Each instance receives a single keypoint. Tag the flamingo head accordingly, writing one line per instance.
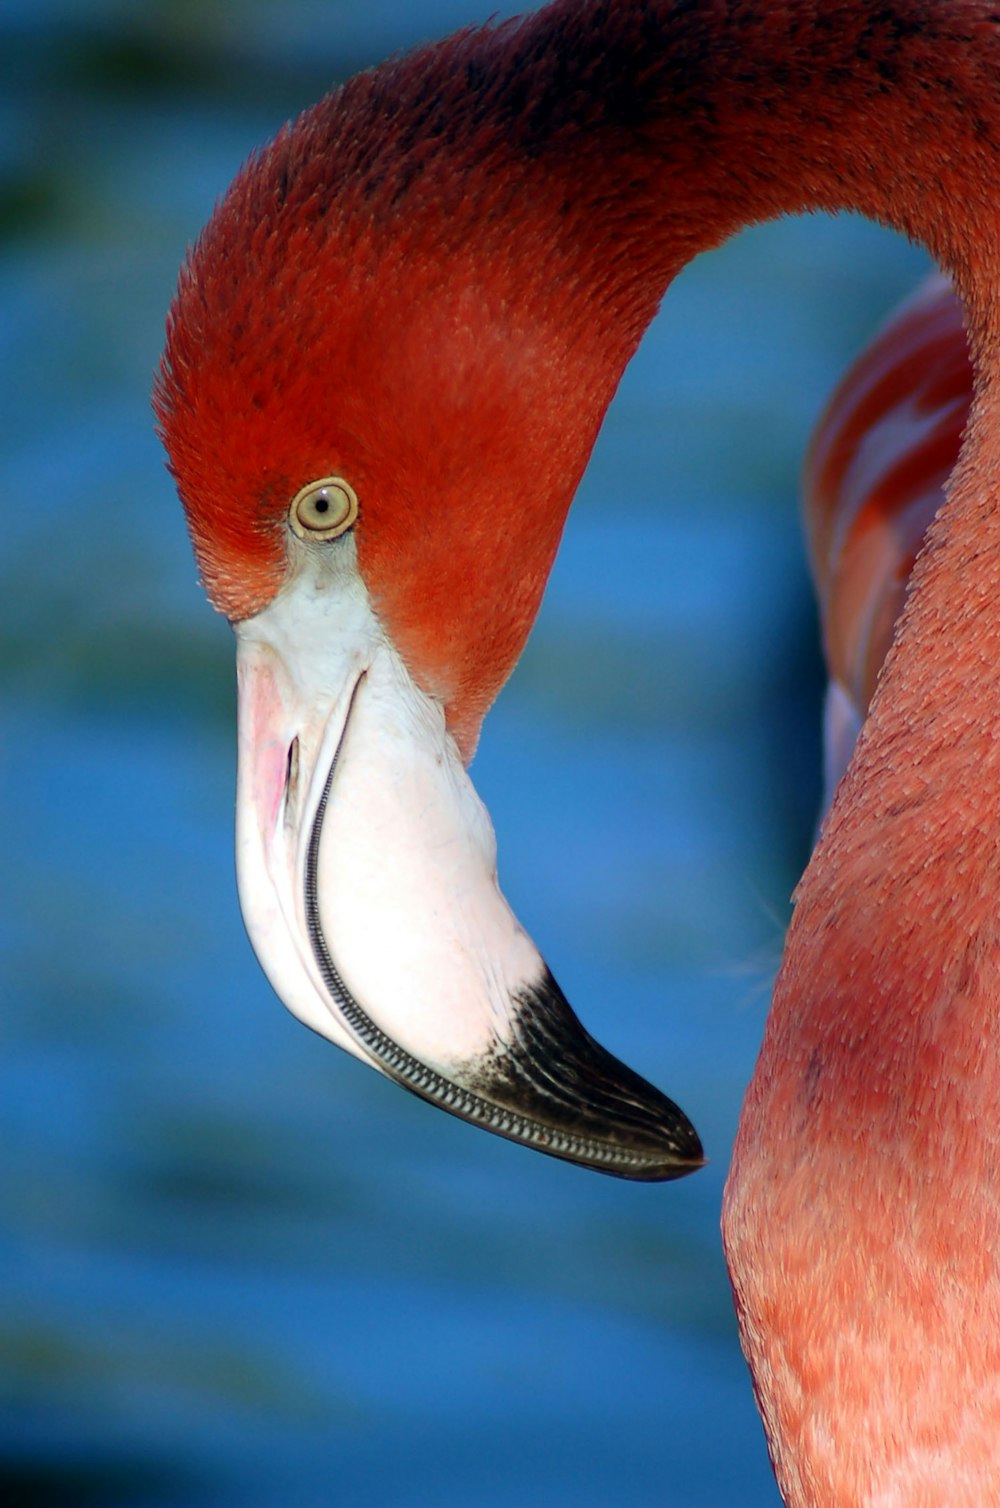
(382, 380)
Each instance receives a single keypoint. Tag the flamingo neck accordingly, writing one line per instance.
(864, 1197)
(596, 148)
(863, 1204)
(677, 122)
(661, 128)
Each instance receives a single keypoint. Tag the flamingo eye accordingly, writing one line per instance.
(323, 509)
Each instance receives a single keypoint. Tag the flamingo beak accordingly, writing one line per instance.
(367, 877)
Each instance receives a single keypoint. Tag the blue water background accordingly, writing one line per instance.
(237, 1267)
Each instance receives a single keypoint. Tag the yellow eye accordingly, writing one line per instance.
(324, 509)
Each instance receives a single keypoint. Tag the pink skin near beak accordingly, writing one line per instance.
(367, 875)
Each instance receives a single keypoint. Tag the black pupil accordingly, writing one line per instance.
(322, 504)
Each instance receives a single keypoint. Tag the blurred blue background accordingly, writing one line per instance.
(237, 1267)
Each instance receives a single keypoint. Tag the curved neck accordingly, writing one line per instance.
(712, 114)
(623, 137)
(675, 124)
(862, 1203)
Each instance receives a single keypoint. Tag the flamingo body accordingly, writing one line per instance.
(874, 478)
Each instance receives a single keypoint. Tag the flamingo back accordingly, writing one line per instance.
(874, 477)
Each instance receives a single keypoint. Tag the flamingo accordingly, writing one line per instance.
(386, 363)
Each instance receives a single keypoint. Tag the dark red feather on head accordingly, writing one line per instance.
(420, 287)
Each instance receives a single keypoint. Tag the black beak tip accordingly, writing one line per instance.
(577, 1102)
